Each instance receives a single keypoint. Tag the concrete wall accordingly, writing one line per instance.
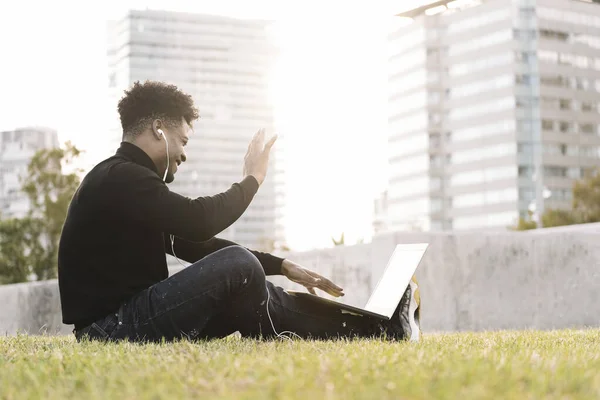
(469, 281)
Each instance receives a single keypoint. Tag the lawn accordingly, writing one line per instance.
(499, 365)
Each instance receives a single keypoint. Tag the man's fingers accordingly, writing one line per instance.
(270, 143)
(257, 139)
(312, 291)
(325, 282)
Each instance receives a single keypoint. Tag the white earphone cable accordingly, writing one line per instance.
(166, 144)
(280, 335)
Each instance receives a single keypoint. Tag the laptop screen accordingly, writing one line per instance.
(395, 279)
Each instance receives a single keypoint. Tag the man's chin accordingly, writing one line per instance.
(170, 177)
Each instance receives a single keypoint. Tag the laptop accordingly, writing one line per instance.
(391, 286)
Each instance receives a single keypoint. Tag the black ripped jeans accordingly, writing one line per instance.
(224, 292)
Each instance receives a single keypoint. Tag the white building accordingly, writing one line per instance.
(494, 110)
(224, 64)
(16, 151)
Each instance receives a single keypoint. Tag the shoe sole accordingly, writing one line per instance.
(415, 331)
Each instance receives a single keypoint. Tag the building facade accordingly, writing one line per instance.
(224, 64)
(17, 148)
(494, 110)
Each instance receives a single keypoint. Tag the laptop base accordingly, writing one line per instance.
(335, 304)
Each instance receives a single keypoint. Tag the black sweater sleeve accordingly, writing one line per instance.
(143, 197)
(194, 251)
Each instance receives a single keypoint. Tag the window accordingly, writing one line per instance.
(524, 34)
(523, 79)
(480, 42)
(555, 172)
(435, 140)
(480, 131)
(476, 87)
(587, 129)
(565, 104)
(574, 172)
(525, 172)
(499, 150)
(547, 125)
(435, 118)
(568, 16)
(554, 35)
(589, 151)
(478, 64)
(482, 108)
(564, 127)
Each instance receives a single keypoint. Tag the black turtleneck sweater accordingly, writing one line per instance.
(117, 230)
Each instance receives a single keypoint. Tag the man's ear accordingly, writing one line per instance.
(156, 125)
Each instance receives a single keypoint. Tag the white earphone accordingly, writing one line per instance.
(167, 145)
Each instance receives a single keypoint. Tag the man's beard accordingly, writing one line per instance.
(170, 177)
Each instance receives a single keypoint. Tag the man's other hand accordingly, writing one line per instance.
(256, 160)
(309, 279)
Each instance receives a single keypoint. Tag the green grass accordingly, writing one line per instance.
(500, 365)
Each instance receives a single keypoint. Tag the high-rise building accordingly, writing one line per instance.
(494, 110)
(224, 63)
(17, 148)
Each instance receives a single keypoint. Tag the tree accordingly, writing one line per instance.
(554, 217)
(19, 244)
(586, 197)
(585, 207)
(49, 190)
(525, 224)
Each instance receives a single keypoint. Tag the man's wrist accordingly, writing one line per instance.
(285, 265)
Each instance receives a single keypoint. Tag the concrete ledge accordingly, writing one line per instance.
(546, 279)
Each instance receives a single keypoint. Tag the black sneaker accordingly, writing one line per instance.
(406, 322)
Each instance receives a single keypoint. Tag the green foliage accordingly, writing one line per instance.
(19, 243)
(586, 197)
(339, 242)
(29, 246)
(585, 208)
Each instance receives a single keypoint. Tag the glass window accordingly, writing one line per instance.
(568, 16)
(480, 42)
(589, 151)
(501, 196)
(409, 102)
(548, 56)
(547, 125)
(402, 83)
(588, 106)
(406, 38)
(483, 175)
(555, 172)
(564, 127)
(407, 61)
(408, 144)
(480, 19)
(408, 165)
(477, 87)
(478, 64)
(482, 108)
(403, 124)
(574, 173)
(469, 200)
(589, 129)
(554, 35)
(590, 40)
(471, 155)
(565, 104)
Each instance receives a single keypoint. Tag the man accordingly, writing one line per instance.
(112, 269)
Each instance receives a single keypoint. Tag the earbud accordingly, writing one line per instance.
(162, 133)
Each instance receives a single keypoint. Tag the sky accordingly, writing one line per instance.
(328, 89)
